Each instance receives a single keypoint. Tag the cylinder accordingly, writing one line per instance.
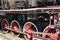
(5, 25)
(16, 27)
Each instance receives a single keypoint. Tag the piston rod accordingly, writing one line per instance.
(30, 32)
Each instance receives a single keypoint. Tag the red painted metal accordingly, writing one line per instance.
(29, 26)
(56, 18)
(5, 25)
(15, 26)
(58, 32)
(52, 30)
(29, 29)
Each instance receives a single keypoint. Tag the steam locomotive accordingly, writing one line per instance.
(27, 20)
(21, 21)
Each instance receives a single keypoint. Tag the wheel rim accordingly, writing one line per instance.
(5, 25)
(27, 26)
(15, 27)
(49, 29)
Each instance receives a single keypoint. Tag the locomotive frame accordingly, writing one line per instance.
(51, 11)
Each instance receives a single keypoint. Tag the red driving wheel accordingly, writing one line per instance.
(15, 27)
(29, 26)
(50, 29)
(58, 32)
(5, 25)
